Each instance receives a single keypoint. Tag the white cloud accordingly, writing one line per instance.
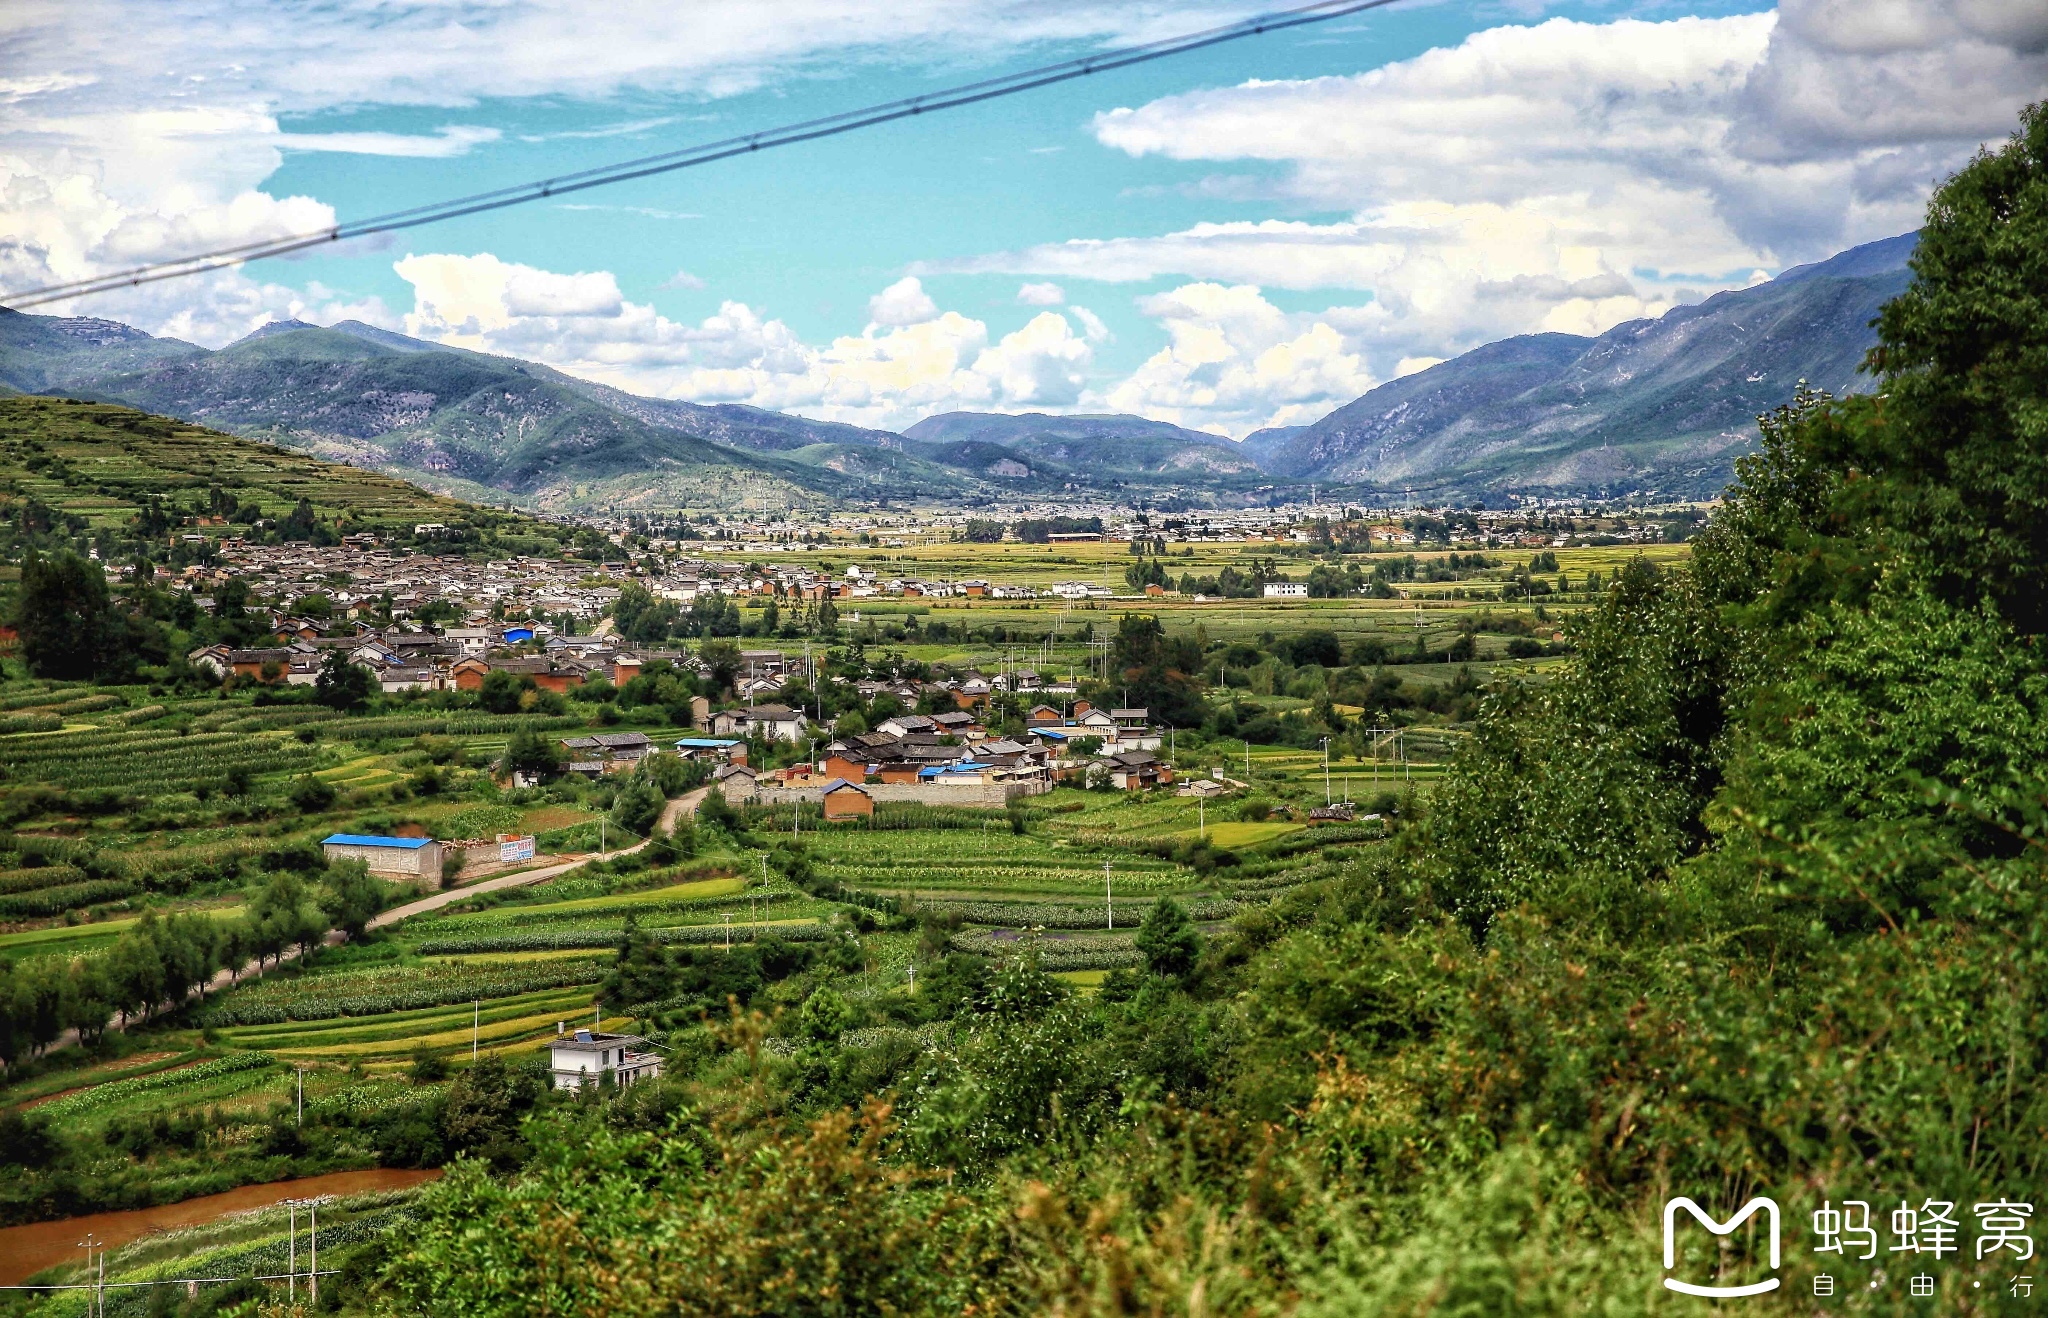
(913, 359)
(1041, 295)
(1235, 362)
(452, 140)
(147, 130)
(902, 303)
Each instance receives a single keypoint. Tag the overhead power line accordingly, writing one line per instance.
(689, 157)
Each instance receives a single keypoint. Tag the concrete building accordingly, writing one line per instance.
(584, 1059)
(417, 858)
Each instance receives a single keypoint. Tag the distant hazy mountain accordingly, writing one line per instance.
(1662, 404)
(1085, 447)
(460, 421)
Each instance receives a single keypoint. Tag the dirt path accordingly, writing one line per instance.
(685, 804)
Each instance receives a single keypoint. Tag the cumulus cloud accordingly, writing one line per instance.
(1235, 362)
(902, 303)
(911, 360)
(1041, 295)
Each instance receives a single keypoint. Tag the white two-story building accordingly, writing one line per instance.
(582, 1060)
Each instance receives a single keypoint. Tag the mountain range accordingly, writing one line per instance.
(1654, 406)
(1657, 405)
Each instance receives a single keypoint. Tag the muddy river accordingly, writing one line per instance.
(27, 1250)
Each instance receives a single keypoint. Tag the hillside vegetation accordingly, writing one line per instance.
(97, 467)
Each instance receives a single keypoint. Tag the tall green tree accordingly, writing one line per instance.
(1957, 440)
(1168, 940)
(343, 685)
(62, 614)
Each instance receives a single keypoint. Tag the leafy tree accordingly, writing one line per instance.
(1168, 940)
(343, 685)
(722, 665)
(1955, 445)
(1157, 671)
(638, 805)
(310, 794)
(231, 599)
(485, 1107)
(63, 616)
(501, 691)
(350, 897)
(529, 752)
(1316, 647)
(825, 1016)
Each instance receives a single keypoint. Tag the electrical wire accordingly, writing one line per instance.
(809, 130)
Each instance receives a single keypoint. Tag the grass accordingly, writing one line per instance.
(1247, 833)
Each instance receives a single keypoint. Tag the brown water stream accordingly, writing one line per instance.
(27, 1250)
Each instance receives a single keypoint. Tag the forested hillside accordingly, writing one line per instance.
(1749, 901)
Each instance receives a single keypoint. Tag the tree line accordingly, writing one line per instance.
(163, 960)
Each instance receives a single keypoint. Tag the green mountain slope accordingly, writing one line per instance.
(490, 427)
(103, 463)
(1663, 405)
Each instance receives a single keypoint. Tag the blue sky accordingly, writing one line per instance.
(1245, 236)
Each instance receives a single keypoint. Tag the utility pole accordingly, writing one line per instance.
(300, 1073)
(313, 1268)
(1108, 900)
(291, 1251)
(727, 917)
(476, 1022)
(1202, 817)
(89, 1244)
(1326, 771)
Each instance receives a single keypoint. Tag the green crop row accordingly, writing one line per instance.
(241, 719)
(114, 1091)
(149, 760)
(1021, 915)
(566, 939)
(71, 896)
(1054, 954)
(625, 906)
(36, 699)
(450, 725)
(43, 876)
(309, 999)
(13, 723)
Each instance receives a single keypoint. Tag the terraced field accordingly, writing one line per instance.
(500, 1025)
(961, 861)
